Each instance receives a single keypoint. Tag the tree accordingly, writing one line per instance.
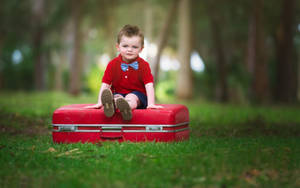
(58, 40)
(109, 12)
(148, 30)
(148, 26)
(76, 54)
(38, 13)
(286, 67)
(184, 88)
(163, 37)
(257, 64)
(218, 45)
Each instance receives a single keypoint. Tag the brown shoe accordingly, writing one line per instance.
(107, 100)
(124, 108)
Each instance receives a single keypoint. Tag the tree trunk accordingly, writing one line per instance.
(148, 27)
(148, 32)
(76, 54)
(110, 24)
(298, 75)
(221, 87)
(163, 37)
(38, 38)
(257, 64)
(1, 68)
(59, 59)
(286, 78)
(184, 89)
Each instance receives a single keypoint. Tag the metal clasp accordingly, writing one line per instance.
(154, 128)
(67, 128)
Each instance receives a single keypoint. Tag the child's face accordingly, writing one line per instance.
(130, 47)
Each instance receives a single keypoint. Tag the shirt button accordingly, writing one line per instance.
(125, 76)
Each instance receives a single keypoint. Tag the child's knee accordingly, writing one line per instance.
(131, 97)
(116, 96)
(133, 100)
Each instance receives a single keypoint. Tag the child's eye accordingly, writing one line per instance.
(135, 47)
(125, 46)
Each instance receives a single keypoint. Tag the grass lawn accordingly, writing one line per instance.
(229, 146)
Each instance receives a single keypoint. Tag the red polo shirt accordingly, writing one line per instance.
(127, 81)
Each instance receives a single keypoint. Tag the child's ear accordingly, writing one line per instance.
(117, 46)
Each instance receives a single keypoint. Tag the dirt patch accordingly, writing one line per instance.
(15, 124)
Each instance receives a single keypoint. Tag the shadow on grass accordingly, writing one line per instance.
(15, 124)
(251, 128)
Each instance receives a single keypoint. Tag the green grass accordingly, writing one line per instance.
(230, 146)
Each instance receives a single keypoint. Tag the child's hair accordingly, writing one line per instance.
(130, 31)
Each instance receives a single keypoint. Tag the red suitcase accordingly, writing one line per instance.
(74, 123)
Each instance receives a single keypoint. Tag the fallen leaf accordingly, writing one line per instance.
(252, 173)
(99, 144)
(73, 150)
(250, 181)
(51, 150)
(272, 174)
(250, 176)
(287, 149)
(68, 152)
(255, 172)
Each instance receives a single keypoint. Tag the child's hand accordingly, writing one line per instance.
(94, 106)
(153, 106)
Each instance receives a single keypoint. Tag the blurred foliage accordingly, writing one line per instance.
(17, 75)
(17, 28)
(94, 79)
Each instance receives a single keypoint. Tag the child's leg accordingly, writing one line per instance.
(126, 104)
(116, 96)
(132, 100)
(124, 108)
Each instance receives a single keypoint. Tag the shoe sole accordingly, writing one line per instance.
(124, 108)
(107, 102)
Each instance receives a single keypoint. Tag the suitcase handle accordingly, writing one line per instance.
(111, 132)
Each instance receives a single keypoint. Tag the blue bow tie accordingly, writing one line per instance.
(134, 65)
